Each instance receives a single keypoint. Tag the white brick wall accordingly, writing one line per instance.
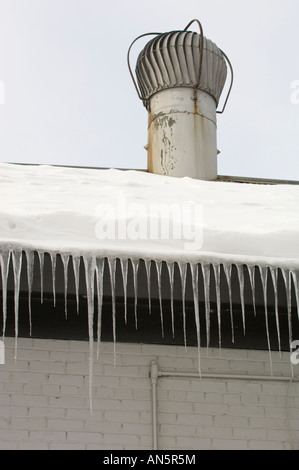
(44, 400)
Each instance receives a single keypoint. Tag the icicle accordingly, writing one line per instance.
(183, 273)
(228, 275)
(194, 275)
(159, 272)
(53, 264)
(148, 265)
(135, 266)
(295, 276)
(206, 282)
(264, 278)
(216, 268)
(76, 269)
(170, 267)
(251, 271)
(287, 281)
(17, 265)
(30, 268)
(112, 270)
(240, 270)
(124, 270)
(274, 275)
(4, 258)
(65, 261)
(90, 267)
(100, 264)
(41, 267)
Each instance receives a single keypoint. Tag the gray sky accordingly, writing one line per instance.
(69, 98)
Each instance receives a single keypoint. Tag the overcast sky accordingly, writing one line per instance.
(69, 98)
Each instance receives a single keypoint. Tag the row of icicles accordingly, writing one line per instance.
(94, 271)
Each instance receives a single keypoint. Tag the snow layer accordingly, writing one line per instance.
(58, 209)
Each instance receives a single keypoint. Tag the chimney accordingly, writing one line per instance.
(180, 76)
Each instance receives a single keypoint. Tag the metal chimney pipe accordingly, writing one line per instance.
(180, 76)
(182, 134)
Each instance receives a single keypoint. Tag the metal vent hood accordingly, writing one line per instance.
(180, 78)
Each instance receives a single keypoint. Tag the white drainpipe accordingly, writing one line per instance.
(154, 381)
(155, 374)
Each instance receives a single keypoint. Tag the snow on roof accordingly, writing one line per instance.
(116, 213)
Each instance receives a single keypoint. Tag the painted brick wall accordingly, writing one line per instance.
(44, 400)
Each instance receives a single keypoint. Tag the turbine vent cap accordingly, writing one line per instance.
(180, 59)
(172, 60)
(180, 76)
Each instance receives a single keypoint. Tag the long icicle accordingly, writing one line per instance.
(228, 275)
(53, 264)
(251, 272)
(135, 266)
(274, 276)
(194, 275)
(170, 267)
(295, 276)
(159, 274)
(30, 270)
(41, 257)
(112, 270)
(287, 281)
(76, 270)
(264, 278)
(206, 282)
(148, 264)
(240, 270)
(90, 267)
(216, 268)
(17, 265)
(65, 262)
(100, 265)
(5, 259)
(124, 271)
(183, 273)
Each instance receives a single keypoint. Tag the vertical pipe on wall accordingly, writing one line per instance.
(154, 380)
